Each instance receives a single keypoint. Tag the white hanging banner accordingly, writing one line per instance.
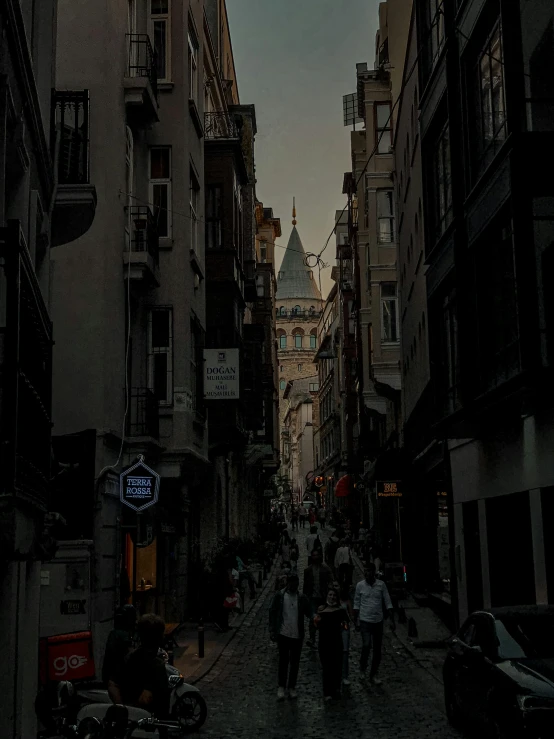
(221, 374)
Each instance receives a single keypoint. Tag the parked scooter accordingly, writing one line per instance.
(71, 704)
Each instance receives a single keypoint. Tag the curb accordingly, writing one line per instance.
(252, 611)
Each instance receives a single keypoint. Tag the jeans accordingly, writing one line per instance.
(372, 635)
(289, 660)
(303, 521)
(345, 653)
(316, 602)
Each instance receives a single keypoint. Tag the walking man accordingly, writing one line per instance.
(302, 515)
(370, 602)
(322, 515)
(318, 579)
(286, 625)
(343, 564)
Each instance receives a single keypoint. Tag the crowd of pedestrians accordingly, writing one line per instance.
(328, 602)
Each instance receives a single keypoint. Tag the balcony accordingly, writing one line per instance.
(75, 202)
(297, 315)
(142, 417)
(141, 256)
(220, 125)
(141, 80)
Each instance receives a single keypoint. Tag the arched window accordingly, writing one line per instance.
(282, 384)
(283, 310)
(281, 368)
(313, 338)
(312, 310)
(282, 336)
(296, 310)
(298, 334)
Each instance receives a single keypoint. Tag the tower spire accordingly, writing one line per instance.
(294, 211)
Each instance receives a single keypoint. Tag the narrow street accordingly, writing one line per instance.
(241, 691)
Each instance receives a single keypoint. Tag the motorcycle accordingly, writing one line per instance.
(72, 704)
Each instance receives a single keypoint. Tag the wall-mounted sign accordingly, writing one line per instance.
(139, 486)
(221, 374)
(72, 607)
(269, 493)
(389, 488)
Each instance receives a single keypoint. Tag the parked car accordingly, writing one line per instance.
(499, 672)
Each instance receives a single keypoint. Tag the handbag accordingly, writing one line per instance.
(231, 601)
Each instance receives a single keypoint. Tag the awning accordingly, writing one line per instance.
(343, 486)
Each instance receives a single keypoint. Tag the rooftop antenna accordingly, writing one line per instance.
(293, 212)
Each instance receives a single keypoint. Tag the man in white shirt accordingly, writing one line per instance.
(370, 602)
(342, 564)
(286, 625)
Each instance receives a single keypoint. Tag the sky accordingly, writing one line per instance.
(294, 60)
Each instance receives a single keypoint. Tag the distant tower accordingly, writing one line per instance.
(299, 304)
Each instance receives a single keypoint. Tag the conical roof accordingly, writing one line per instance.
(294, 279)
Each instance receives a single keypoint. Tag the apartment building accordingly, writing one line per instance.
(128, 300)
(46, 201)
(300, 416)
(485, 92)
(425, 529)
(374, 235)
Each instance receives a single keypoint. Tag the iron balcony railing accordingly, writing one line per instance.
(294, 315)
(143, 233)
(142, 415)
(220, 126)
(142, 59)
(70, 136)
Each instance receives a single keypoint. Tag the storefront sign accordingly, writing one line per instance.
(139, 486)
(269, 493)
(389, 489)
(72, 607)
(221, 374)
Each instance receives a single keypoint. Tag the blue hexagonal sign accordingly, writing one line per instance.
(139, 486)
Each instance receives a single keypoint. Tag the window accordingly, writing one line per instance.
(313, 341)
(314, 387)
(193, 65)
(280, 275)
(385, 216)
(491, 109)
(389, 312)
(194, 190)
(281, 368)
(213, 217)
(300, 368)
(436, 28)
(282, 340)
(296, 310)
(449, 354)
(383, 127)
(263, 252)
(161, 27)
(160, 354)
(283, 310)
(160, 188)
(298, 341)
(441, 183)
(282, 385)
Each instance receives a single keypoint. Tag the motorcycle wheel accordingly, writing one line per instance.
(191, 712)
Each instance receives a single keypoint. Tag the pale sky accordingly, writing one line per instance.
(295, 59)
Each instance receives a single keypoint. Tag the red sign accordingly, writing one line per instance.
(67, 657)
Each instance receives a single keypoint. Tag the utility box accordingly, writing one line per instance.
(65, 602)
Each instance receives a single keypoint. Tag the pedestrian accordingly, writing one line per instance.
(288, 610)
(311, 516)
(371, 600)
(377, 561)
(225, 594)
(313, 541)
(294, 554)
(317, 581)
(294, 518)
(346, 604)
(285, 550)
(329, 622)
(322, 515)
(331, 549)
(302, 515)
(119, 645)
(343, 563)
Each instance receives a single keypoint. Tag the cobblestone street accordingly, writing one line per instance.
(241, 688)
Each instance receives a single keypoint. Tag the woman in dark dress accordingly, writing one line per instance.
(330, 620)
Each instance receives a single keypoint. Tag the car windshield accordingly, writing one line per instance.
(521, 636)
